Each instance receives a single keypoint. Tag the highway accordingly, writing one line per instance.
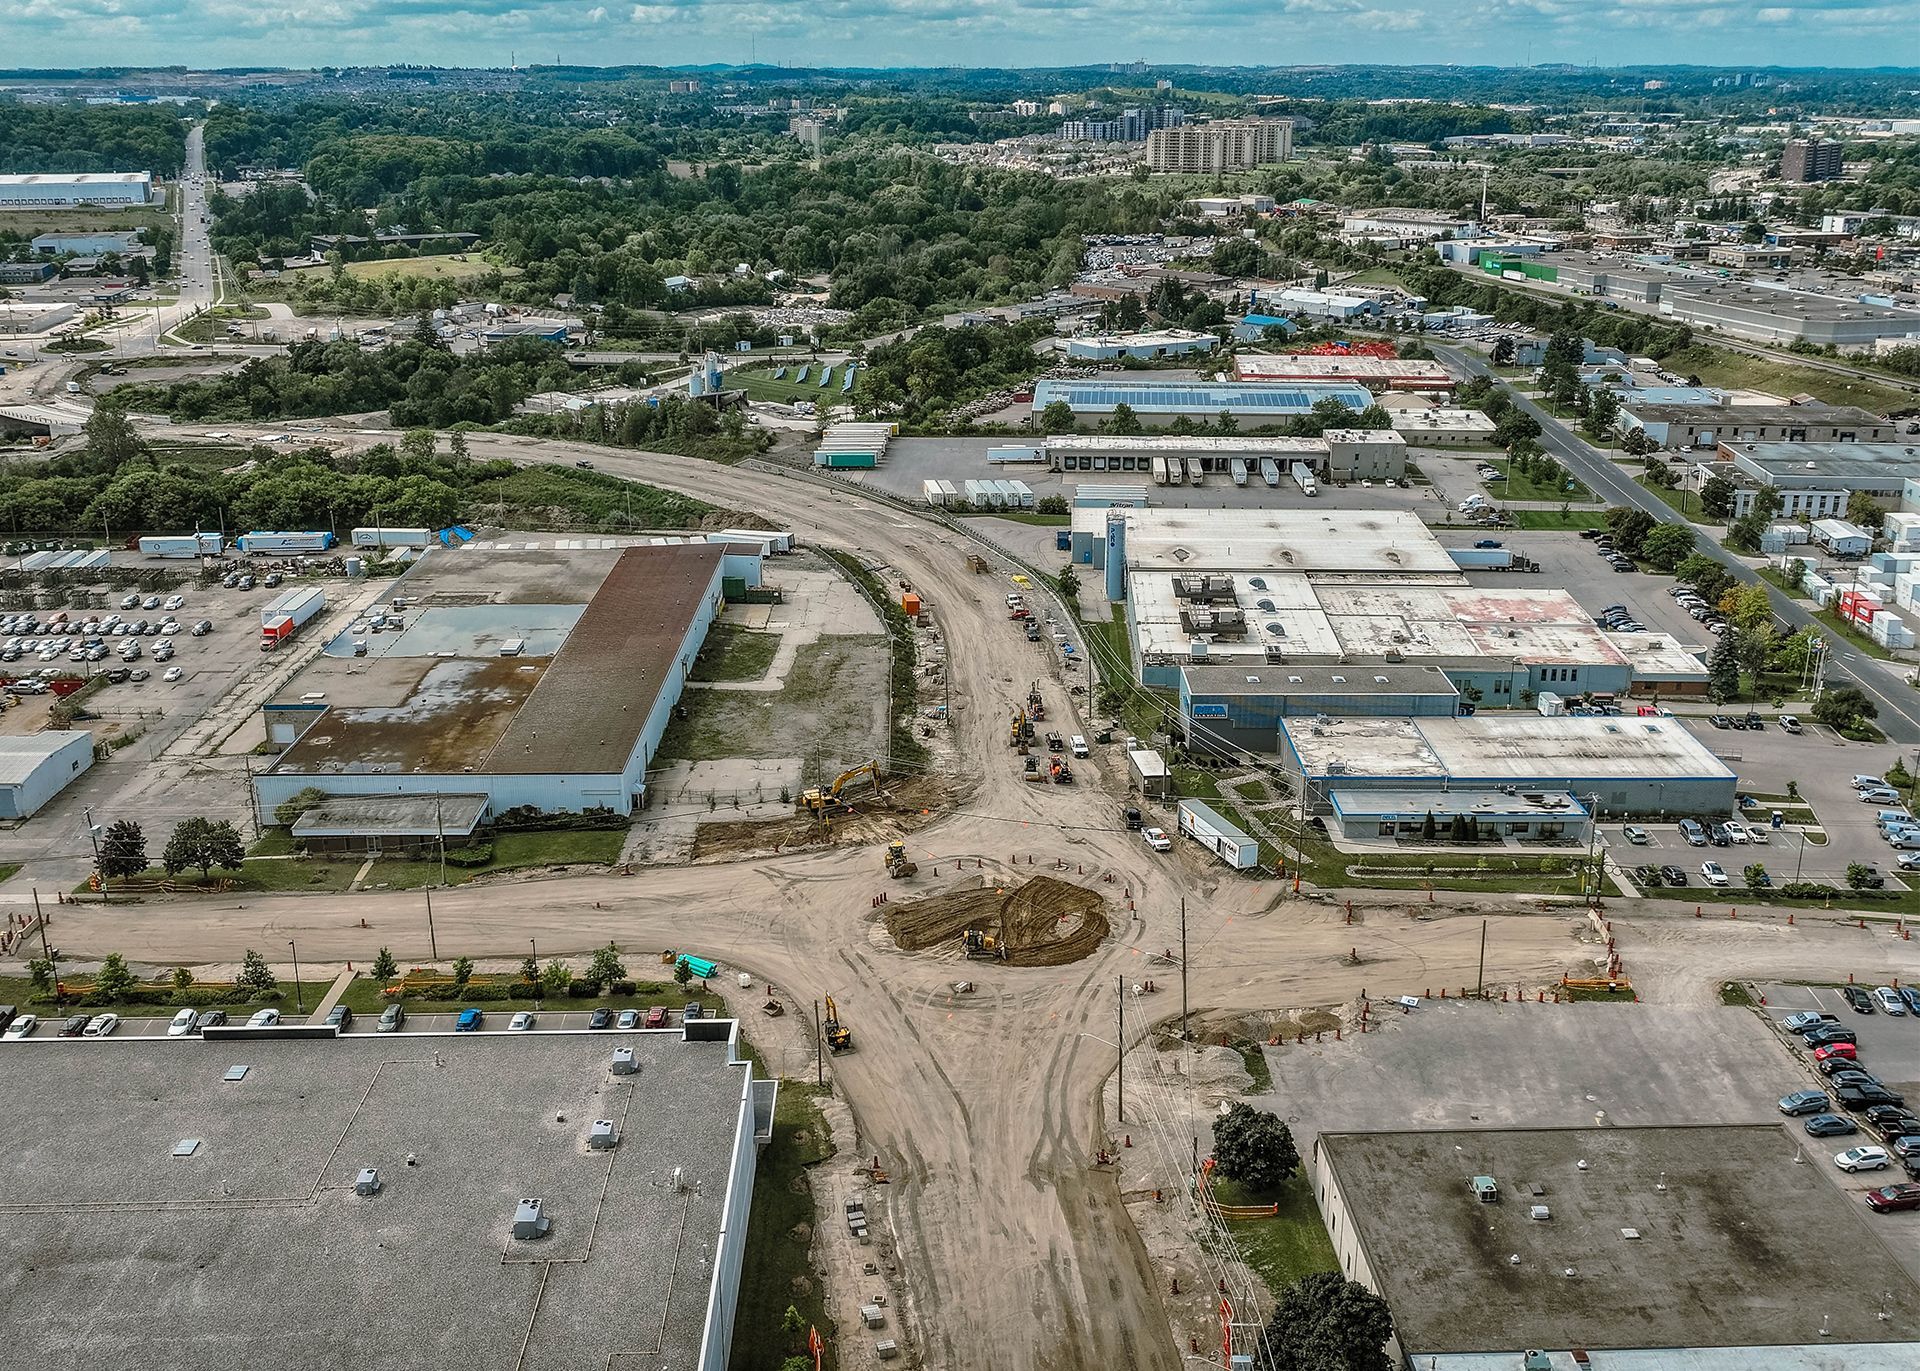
(1880, 682)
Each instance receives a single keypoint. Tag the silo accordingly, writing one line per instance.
(1116, 554)
(696, 384)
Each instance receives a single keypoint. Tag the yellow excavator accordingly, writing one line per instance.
(839, 1037)
(898, 863)
(816, 800)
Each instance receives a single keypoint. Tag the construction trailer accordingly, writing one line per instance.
(1206, 827)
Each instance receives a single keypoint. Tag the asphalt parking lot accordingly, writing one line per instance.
(1889, 1045)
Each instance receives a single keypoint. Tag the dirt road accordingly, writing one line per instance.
(1016, 1252)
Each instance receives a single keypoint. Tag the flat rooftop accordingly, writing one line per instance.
(1498, 749)
(1256, 366)
(1823, 415)
(1485, 804)
(418, 714)
(1660, 656)
(1289, 539)
(1259, 682)
(1258, 400)
(1721, 1257)
(1224, 443)
(1738, 298)
(1823, 461)
(118, 1253)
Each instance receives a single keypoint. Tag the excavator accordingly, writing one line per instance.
(979, 946)
(898, 863)
(816, 800)
(839, 1037)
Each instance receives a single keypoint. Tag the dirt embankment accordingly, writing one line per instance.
(903, 807)
(1043, 922)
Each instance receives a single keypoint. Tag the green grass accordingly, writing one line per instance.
(759, 384)
(18, 990)
(1255, 1061)
(211, 325)
(1520, 486)
(298, 873)
(733, 653)
(1192, 783)
(776, 1272)
(1288, 1246)
(1552, 520)
(8, 870)
(1772, 576)
(1584, 994)
(533, 496)
(511, 852)
(1784, 376)
(1736, 993)
(1674, 500)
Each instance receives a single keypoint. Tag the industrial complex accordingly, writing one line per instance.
(268, 1182)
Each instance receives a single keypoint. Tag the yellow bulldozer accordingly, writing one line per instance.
(839, 1037)
(817, 800)
(898, 863)
(980, 946)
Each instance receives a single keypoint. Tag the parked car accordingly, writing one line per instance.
(600, 1018)
(1695, 835)
(1890, 1199)
(1828, 1033)
(1789, 723)
(181, 1024)
(1912, 997)
(339, 1018)
(1860, 1096)
(469, 1021)
(1867, 1158)
(1637, 836)
(657, 1016)
(692, 1012)
(1803, 1102)
(522, 1022)
(1857, 999)
(264, 1018)
(1156, 839)
(392, 1019)
(210, 1018)
(1890, 1002)
(101, 1026)
(629, 1018)
(75, 1025)
(1713, 873)
(1673, 875)
(1836, 1052)
(1830, 1126)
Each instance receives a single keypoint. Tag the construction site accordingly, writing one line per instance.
(1042, 921)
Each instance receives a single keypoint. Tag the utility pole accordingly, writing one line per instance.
(819, 1063)
(1120, 1052)
(46, 948)
(299, 1007)
(1480, 978)
(433, 947)
(1183, 967)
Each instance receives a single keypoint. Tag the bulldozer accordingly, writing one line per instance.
(839, 1037)
(816, 800)
(980, 946)
(898, 863)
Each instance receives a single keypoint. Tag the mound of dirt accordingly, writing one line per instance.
(898, 810)
(1044, 922)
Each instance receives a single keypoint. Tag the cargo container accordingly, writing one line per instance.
(1239, 469)
(931, 492)
(1062, 540)
(183, 545)
(391, 537)
(1020, 495)
(1229, 844)
(283, 542)
(777, 540)
(910, 605)
(1196, 474)
(1303, 477)
(274, 630)
(846, 461)
(1270, 471)
(1481, 558)
(1159, 471)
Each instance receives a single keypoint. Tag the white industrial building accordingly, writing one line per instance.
(1108, 347)
(21, 317)
(63, 190)
(1375, 373)
(35, 767)
(1440, 426)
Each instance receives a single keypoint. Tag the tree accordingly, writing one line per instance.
(1844, 708)
(114, 978)
(530, 973)
(123, 851)
(1325, 1322)
(606, 966)
(1636, 444)
(1254, 1148)
(40, 974)
(1428, 828)
(557, 977)
(1705, 575)
(682, 971)
(1122, 421)
(1057, 417)
(1630, 528)
(1716, 497)
(182, 978)
(385, 968)
(1863, 509)
(110, 436)
(462, 971)
(1747, 605)
(256, 977)
(1603, 407)
(1666, 546)
(1723, 668)
(1859, 874)
(204, 843)
(1068, 582)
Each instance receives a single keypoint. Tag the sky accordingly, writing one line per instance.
(212, 33)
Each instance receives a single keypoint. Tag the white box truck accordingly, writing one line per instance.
(1304, 478)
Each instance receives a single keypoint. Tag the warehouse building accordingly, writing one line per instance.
(27, 273)
(1234, 709)
(1221, 145)
(531, 676)
(1108, 347)
(1440, 426)
(1617, 766)
(23, 317)
(96, 244)
(1766, 315)
(1815, 479)
(565, 1199)
(1375, 373)
(1424, 224)
(57, 190)
(1215, 452)
(1697, 426)
(35, 767)
(1161, 402)
(1485, 815)
(1615, 1249)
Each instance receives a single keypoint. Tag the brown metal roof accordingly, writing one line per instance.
(587, 712)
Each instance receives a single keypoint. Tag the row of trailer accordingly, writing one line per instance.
(979, 494)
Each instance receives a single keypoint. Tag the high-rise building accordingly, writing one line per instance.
(1224, 145)
(1133, 125)
(1810, 159)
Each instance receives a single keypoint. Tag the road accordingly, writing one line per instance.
(1885, 686)
(196, 273)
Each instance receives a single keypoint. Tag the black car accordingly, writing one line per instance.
(1833, 1066)
(1673, 875)
(210, 1018)
(1830, 1126)
(75, 1025)
(600, 1018)
(1852, 1074)
(1860, 1096)
(1857, 999)
(1820, 1037)
(1905, 1128)
(1885, 1113)
(340, 1018)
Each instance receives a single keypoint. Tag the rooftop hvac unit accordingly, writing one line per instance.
(602, 1137)
(367, 1183)
(1539, 1213)
(623, 1062)
(529, 1222)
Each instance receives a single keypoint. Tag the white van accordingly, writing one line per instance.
(1079, 745)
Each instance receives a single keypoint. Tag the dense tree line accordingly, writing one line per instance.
(418, 382)
(75, 138)
(920, 378)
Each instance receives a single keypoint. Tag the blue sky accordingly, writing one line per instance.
(206, 33)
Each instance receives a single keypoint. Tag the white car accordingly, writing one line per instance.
(1863, 1159)
(1890, 1002)
(174, 602)
(100, 1026)
(182, 1023)
(1737, 834)
(1156, 839)
(1713, 873)
(1908, 861)
(521, 1023)
(1759, 833)
(23, 1026)
(172, 673)
(264, 1018)
(1636, 836)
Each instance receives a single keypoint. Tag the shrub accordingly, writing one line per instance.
(470, 854)
(582, 990)
(623, 988)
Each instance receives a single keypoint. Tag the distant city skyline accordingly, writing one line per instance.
(821, 33)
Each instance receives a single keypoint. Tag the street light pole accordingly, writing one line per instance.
(536, 971)
(299, 1005)
(1120, 1053)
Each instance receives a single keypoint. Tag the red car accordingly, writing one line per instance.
(1890, 1199)
(657, 1016)
(1847, 1050)
(1020, 614)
